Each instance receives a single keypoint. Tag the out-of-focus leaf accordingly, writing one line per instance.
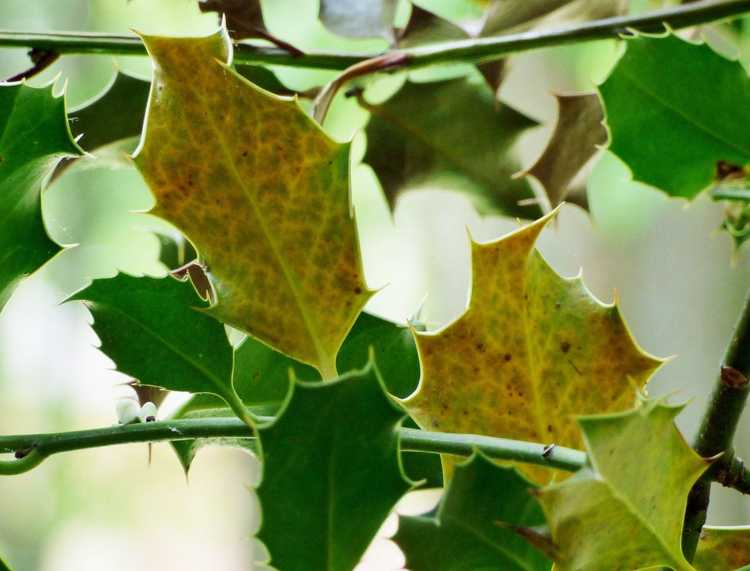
(626, 511)
(152, 330)
(578, 134)
(357, 19)
(452, 130)
(265, 78)
(244, 18)
(466, 532)
(266, 206)
(3, 565)
(175, 251)
(721, 548)
(331, 472)
(34, 137)
(502, 15)
(114, 115)
(533, 351)
(671, 110)
(424, 27)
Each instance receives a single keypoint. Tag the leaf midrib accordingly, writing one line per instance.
(312, 332)
(681, 114)
(627, 504)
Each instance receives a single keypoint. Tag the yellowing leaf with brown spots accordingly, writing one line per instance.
(532, 351)
(723, 548)
(261, 192)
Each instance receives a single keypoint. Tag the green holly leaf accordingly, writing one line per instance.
(722, 548)
(465, 532)
(356, 19)
(115, 115)
(261, 378)
(577, 136)
(627, 510)
(267, 206)
(34, 137)
(331, 472)
(152, 329)
(411, 144)
(671, 107)
(532, 351)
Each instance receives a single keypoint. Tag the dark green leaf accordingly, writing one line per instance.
(464, 535)
(331, 473)
(3, 565)
(413, 139)
(673, 113)
(115, 115)
(34, 136)
(152, 330)
(175, 250)
(394, 350)
(244, 18)
(261, 378)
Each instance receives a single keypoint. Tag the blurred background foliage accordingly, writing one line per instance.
(678, 280)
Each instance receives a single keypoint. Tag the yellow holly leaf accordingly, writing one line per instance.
(532, 351)
(723, 548)
(261, 192)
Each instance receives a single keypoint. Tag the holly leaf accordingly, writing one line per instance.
(114, 115)
(723, 548)
(152, 330)
(465, 533)
(267, 206)
(532, 351)
(504, 16)
(676, 101)
(261, 378)
(621, 514)
(34, 137)
(331, 472)
(577, 136)
(355, 19)
(410, 144)
(424, 27)
(244, 18)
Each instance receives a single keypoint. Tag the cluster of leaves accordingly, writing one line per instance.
(262, 193)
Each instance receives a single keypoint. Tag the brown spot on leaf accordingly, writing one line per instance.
(564, 346)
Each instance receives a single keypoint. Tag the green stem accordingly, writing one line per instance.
(413, 440)
(473, 50)
(716, 434)
(40, 446)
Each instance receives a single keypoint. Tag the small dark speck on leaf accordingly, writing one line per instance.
(564, 346)
(507, 357)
